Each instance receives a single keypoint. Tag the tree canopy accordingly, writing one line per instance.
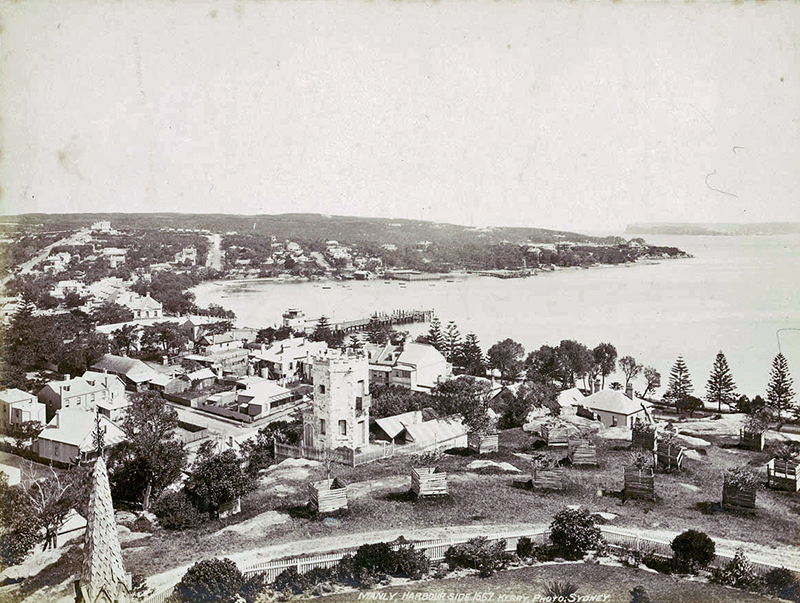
(780, 395)
(506, 356)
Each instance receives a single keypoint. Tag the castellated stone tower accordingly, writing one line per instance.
(340, 413)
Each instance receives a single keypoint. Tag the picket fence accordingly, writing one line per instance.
(354, 458)
(435, 550)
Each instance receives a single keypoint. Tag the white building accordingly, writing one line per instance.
(340, 408)
(17, 406)
(142, 307)
(287, 361)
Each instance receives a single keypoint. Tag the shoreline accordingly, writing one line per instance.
(438, 276)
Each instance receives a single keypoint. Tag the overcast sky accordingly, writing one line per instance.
(580, 115)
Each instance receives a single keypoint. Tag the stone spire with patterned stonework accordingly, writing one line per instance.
(103, 578)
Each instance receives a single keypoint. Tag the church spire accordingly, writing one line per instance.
(103, 578)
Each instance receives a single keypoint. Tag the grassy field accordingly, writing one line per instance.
(524, 584)
(487, 497)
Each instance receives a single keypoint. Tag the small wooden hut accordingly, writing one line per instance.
(751, 440)
(483, 443)
(669, 455)
(739, 490)
(643, 435)
(428, 481)
(583, 453)
(555, 435)
(328, 495)
(548, 479)
(639, 483)
(782, 474)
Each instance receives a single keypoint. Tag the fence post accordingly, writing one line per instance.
(638, 542)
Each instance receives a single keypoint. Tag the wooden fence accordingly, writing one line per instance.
(435, 550)
(548, 479)
(354, 458)
(428, 481)
(669, 456)
(483, 444)
(639, 484)
(328, 495)
(555, 436)
(583, 453)
(735, 498)
(750, 440)
(782, 475)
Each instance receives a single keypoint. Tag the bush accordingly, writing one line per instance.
(782, 583)
(739, 573)
(659, 564)
(410, 562)
(252, 587)
(478, 554)
(692, 550)
(291, 581)
(211, 581)
(17, 543)
(524, 548)
(176, 512)
(573, 532)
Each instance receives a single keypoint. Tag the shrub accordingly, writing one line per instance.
(782, 583)
(410, 562)
(739, 573)
(252, 587)
(478, 554)
(210, 581)
(524, 548)
(545, 552)
(639, 595)
(18, 543)
(631, 557)
(290, 581)
(659, 564)
(573, 532)
(176, 512)
(692, 550)
(743, 479)
(559, 591)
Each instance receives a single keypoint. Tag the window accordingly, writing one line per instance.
(343, 427)
(322, 426)
(613, 421)
(322, 389)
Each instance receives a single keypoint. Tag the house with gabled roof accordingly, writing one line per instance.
(67, 438)
(71, 393)
(134, 373)
(17, 407)
(393, 429)
(116, 403)
(613, 408)
(288, 360)
(420, 367)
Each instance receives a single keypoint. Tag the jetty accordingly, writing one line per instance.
(522, 273)
(396, 317)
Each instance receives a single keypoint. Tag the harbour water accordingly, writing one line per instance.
(736, 294)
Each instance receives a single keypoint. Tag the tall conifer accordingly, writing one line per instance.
(780, 395)
(720, 387)
(680, 383)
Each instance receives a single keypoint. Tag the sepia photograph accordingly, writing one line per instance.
(399, 300)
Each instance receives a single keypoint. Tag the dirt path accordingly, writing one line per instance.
(785, 555)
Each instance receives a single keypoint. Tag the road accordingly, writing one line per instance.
(214, 259)
(26, 267)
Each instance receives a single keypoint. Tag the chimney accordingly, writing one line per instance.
(629, 391)
(57, 419)
(164, 360)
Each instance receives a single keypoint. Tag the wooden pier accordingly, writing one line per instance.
(397, 317)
